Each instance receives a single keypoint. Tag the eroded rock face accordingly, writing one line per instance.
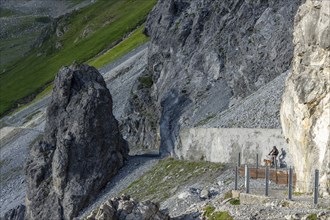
(126, 208)
(205, 56)
(81, 150)
(305, 111)
(17, 213)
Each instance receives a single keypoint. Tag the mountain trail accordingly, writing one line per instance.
(134, 168)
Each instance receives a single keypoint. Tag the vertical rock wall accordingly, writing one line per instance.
(305, 111)
(205, 56)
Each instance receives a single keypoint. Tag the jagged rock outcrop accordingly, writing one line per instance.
(205, 56)
(140, 118)
(56, 28)
(126, 208)
(81, 150)
(305, 111)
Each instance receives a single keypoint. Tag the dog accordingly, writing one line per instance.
(267, 162)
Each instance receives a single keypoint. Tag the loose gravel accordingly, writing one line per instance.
(12, 182)
(134, 168)
(188, 203)
(260, 110)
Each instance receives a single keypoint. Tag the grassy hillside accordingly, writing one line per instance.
(83, 35)
(17, 36)
(135, 39)
(164, 180)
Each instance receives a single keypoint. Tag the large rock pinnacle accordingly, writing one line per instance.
(305, 111)
(81, 150)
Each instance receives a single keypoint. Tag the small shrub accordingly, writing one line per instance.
(312, 217)
(298, 193)
(146, 81)
(235, 202)
(221, 216)
(285, 204)
(210, 214)
(208, 211)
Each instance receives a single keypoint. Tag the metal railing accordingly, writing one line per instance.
(290, 179)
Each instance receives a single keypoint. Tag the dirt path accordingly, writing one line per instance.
(135, 167)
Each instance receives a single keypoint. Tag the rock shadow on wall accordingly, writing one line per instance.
(173, 106)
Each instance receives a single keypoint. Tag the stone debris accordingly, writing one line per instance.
(205, 194)
(126, 208)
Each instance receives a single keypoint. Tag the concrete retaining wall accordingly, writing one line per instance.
(224, 144)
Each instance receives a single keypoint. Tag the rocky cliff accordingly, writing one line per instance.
(204, 57)
(81, 150)
(305, 112)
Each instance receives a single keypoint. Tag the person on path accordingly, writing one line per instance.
(274, 153)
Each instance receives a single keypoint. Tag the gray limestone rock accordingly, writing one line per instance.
(204, 57)
(139, 120)
(305, 110)
(205, 194)
(82, 148)
(126, 208)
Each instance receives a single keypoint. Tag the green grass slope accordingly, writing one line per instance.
(165, 179)
(17, 37)
(84, 34)
(134, 40)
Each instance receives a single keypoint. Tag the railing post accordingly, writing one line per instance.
(276, 177)
(290, 183)
(257, 161)
(257, 166)
(247, 179)
(236, 178)
(239, 160)
(316, 187)
(267, 181)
